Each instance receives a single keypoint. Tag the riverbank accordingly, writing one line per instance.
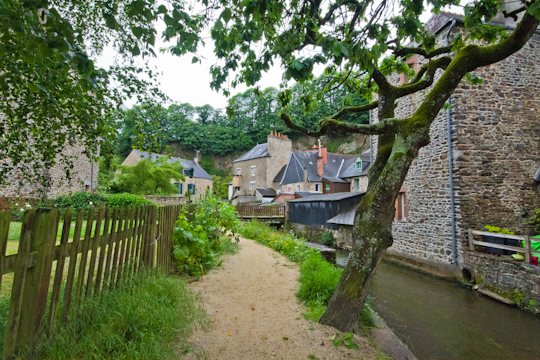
(256, 314)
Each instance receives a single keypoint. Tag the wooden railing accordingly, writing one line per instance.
(527, 250)
(251, 211)
(115, 244)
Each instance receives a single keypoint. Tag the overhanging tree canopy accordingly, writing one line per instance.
(361, 42)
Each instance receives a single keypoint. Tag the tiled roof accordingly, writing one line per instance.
(198, 171)
(267, 192)
(345, 218)
(294, 172)
(259, 151)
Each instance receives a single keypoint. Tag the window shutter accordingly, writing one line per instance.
(406, 205)
(398, 207)
(181, 185)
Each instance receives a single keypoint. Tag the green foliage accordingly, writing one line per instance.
(221, 186)
(535, 220)
(126, 199)
(85, 200)
(347, 340)
(198, 243)
(318, 279)
(328, 239)
(149, 177)
(496, 229)
(149, 317)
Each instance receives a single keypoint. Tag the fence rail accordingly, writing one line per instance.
(250, 211)
(527, 250)
(115, 244)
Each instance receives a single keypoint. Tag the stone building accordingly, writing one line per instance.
(84, 177)
(197, 179)
(495, 135)
(258, 167)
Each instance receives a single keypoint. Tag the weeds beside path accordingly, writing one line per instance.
(256, 314)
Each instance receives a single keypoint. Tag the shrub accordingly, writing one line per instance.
(495, 229)
(151, 317)
(328, 239)
(318, 279)
(126, 199)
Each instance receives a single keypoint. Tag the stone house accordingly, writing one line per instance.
(84, 177)
(258, 167)
(319, 171)
(197, 179)
(483, 176)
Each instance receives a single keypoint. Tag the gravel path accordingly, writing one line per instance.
(252, 302)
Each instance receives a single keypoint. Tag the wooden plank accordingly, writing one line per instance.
(15, 304)
(103, 251)
(84, 256)
(118, 243)
(471, 240)
(500, 246)
(5, 219)
(58, 276)
(36, 283)
(486, 233)
(110, 247)
(72, 265)
(140, 234)
(132, 250)
(153, 238)
(129, 240)
(527, 249)
(94, 246)
(125, 240)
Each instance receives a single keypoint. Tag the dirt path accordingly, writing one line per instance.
(252, 302)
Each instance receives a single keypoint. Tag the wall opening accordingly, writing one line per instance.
(467, 275)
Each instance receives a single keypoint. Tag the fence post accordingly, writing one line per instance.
(37, 280)
(471, 240)
(527, 249)
(5, 219)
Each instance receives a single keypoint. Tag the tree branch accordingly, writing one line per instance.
(381, 80)
(404, 51)
(428, 70)
(514, 14)
(354, 109)
(385, 126)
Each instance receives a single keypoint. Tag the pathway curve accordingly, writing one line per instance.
(252, 298)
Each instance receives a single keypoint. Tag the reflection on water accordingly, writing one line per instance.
(442, 320)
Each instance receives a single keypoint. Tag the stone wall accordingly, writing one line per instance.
(260, 173)
(279, 149)
(80, 178)
(167, 200)
(200, 185)
(362, 183)
(344, 236)
(514, 280)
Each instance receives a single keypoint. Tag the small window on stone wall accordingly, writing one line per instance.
(402, 207)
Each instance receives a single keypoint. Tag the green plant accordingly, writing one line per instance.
(312, 357)
(533, 306)
(347, 340)
(495, 229)
(150, 317)
(328, 239)
(318, 279)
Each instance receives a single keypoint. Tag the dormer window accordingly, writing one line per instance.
(358, 165)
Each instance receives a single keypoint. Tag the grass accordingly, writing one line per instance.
(150, 317)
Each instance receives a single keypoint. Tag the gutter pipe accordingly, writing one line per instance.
(451, 163)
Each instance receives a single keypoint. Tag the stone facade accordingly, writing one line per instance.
(167, 200)
(359, 184)
(81, 178)
(511, 279)
(495, 137)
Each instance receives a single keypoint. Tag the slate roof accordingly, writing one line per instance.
(279, 175)
(329, 197)
(198, 171)
(345, 218)
(259, 151)
(336, 168)
(267, 192)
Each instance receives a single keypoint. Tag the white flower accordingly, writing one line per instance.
(28, 205)
(91, 203)
(22, 209)
(16, 204)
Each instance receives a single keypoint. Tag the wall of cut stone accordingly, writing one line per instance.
(80, 178)
(260, 173)
(362, 183)
(167, 200)
(280, 150)
(511, 279)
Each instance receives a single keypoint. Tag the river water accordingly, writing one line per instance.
(438, 319)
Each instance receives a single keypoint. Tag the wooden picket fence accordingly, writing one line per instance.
(116, 244)
(258, 211)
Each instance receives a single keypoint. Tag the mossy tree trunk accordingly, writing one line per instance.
(399, 142)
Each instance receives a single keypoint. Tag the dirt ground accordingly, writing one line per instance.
(252, 302)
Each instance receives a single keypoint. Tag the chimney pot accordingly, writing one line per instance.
(272, 132)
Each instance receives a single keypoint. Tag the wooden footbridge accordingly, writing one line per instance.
(274, 214)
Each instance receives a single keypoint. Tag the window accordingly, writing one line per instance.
(317, 188)
(358, 165)
(191, 189)
(401, 207)
(253, 170)
(412, 63)
(327, 188)
(297, 187)
(238, 171)
(252, 185)
(179, 187)
(357, 184)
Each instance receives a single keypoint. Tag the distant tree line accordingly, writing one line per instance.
(252, 115)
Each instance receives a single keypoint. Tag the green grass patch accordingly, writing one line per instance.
(150, 317)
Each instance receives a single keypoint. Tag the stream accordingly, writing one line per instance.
(438, 319)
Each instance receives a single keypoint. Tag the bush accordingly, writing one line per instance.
(151, 317)
(318, 279)
(126, 199)
(328, 239)
(85, 200)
